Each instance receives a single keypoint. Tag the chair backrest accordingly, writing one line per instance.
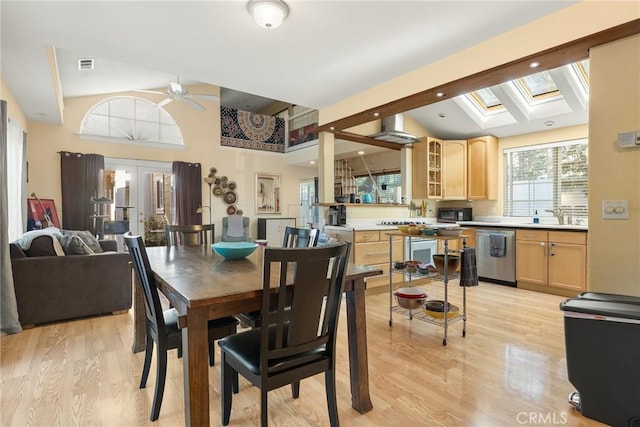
(147, 282)
(306, 313)
(299, 237)
(188, 234)
(245, 227)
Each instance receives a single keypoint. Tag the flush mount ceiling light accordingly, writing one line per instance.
(268, 13)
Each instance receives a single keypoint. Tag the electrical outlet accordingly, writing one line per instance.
(615, 209)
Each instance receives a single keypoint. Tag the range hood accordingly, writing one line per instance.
(393, 130)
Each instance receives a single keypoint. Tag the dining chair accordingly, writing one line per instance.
(287, 351)
(188, 234)
(162, 325)
(299, 237)
(293, 238)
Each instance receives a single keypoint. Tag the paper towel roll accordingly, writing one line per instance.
(397, 195)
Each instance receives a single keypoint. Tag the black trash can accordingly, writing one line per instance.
(602, 342)
(599, 296)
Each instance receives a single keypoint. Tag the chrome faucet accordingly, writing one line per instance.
(558, 213)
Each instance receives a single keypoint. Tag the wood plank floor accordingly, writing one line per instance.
(509, 370)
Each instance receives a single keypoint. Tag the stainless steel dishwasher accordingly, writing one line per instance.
(496, 255)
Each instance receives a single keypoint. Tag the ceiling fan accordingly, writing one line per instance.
(178, 92)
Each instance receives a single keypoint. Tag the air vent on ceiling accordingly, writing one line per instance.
(85, 64)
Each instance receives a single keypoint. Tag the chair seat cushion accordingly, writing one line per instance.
(245, 347)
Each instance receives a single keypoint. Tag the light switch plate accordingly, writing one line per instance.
(615, 209)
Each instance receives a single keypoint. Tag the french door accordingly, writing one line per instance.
(141, 194)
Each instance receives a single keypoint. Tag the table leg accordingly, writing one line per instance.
(139, 326)
(357, 338)
(195, 345)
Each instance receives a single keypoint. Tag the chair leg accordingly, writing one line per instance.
(148, 354)
(264, 416)
(226, 398)
(295, 389)
(180, 352)
(330, 385)
(161, 376)
(212, 353)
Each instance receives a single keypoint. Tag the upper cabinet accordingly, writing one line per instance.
(455, 169)
(482, 170)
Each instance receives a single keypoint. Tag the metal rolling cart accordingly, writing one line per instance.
(410, 277)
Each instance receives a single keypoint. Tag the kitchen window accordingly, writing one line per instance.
(551, 179)
(385, 182)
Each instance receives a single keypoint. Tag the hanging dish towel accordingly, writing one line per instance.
(468, 268)
(497, 245)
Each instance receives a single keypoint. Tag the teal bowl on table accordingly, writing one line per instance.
(234, 250)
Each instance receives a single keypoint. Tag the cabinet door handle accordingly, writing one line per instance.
(544, 248)
(377, 253)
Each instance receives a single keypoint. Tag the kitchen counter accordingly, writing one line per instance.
(523, 225)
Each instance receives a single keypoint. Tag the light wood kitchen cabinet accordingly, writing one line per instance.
(551, 261)
(371, 247)
(427, 169)
(454, 170)
(482, 169)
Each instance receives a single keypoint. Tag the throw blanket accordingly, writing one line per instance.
(235, 227)
(25, 240)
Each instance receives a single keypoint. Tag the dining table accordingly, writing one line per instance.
(202, 285)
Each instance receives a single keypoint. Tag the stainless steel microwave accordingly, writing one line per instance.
(454, 214)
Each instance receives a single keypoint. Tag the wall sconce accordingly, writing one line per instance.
(268, 13)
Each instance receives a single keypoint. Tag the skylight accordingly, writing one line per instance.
(538, 87)
(486, 101)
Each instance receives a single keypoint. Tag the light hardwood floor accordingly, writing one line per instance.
(509, 370)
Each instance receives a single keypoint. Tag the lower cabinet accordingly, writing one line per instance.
(272, 229)
(551, 261)
(371, 247)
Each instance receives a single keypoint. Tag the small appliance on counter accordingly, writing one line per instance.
(454, 214)
(337, 215)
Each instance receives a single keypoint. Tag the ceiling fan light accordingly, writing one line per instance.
(268, 14)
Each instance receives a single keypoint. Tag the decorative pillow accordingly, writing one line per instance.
(87, 238)
(41, 246)
(74, 245)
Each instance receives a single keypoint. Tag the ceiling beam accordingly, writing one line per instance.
(354, 137)
(554, 57)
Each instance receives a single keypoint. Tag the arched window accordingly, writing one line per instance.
(130, 119)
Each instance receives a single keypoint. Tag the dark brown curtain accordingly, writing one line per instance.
(82, 177)
(187, 181)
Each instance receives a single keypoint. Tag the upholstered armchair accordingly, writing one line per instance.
(235, 228)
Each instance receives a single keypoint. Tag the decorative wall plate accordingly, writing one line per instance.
(239, 212)
(217, 191)
(224, 179)
(232, 185)
(230, 197)
(231, 210)
(218, 181)
(224, 184)
(213, 171)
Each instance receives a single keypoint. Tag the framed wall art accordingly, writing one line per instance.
(267, 193)
(38, 208)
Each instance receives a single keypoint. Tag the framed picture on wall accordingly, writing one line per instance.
(267, 193)
(37, 209)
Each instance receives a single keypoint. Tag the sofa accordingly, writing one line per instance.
(50, 287)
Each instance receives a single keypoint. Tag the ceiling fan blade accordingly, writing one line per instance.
(164, 102)
(204, 97)
(194, 104)
(150, 91)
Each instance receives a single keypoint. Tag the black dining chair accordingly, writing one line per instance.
(299, 237)
(162, 325)
(293, 238)
(296, 345)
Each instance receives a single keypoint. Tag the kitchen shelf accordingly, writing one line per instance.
(443, 278)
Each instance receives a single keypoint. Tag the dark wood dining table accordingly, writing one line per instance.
(201, 285)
